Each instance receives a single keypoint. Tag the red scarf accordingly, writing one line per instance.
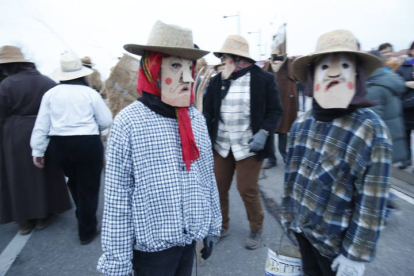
(149, 80)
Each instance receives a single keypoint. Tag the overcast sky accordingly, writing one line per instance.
(99, 29)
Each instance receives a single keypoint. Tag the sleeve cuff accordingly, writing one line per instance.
(38, 153)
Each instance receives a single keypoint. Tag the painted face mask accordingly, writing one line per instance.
(176, 81)
(228, 66)
(334, 83)
(276, 63)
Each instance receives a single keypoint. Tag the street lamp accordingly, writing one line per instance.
(259, 38)
(238, 20)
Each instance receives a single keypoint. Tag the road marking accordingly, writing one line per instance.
(11, 252)
(400, 195)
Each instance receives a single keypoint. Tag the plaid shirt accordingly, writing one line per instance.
(152, 202)
(235, 130)
(337, 180)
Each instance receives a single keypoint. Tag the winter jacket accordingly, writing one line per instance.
(265, 107)
(406, 71)
(387, 88)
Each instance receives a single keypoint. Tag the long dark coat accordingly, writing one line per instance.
(406, 71)
(26, 192)
(265, 107)
(288, 94)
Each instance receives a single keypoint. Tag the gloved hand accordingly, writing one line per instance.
(257, 143)
(347, 267)
(208, 247)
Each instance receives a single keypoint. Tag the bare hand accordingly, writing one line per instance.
(39, 162)
(409, 84)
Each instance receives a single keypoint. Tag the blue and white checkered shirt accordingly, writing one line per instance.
(152, 202)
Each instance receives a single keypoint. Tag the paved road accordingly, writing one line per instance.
(56, 250)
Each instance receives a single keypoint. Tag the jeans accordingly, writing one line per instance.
(81, 158)
(175, 261)
(313, 263)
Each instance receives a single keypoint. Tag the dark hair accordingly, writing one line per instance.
(384, 45)
(78, 81)
(377, 54)
(411, 48)
(16, 67)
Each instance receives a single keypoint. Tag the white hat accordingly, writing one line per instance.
(71, 68)
(340, 41)
(169, 39)
(235, 45)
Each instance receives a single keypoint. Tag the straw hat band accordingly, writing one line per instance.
(72, 70)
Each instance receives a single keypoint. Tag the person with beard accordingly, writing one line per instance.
(281, 66)
(28, 196)
(242, 109)
(337, 176)
(160, 192)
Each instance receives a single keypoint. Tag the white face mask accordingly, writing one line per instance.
(228, 66)
(334, 82)
(176, 81)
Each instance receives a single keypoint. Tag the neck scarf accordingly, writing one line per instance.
(149, 81)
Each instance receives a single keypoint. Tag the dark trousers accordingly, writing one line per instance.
(408, 139)
(313, 263)
(282, 144)
(81, 158)
(175, 261)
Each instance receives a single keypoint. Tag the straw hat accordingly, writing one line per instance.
(71, 68)
(340, 41)
(10, 54)
(235, 45)
(169, 39)
(87, 61)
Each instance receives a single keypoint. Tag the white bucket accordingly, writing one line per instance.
(282, 265)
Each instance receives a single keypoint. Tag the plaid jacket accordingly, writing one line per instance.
(337, 180)
(152, 202)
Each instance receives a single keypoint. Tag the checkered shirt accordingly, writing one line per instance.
(234, 129)
(337, 181)
(152, 202)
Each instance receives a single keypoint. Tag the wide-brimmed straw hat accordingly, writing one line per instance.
(340, 41)
(71, 68)
(235, 45)
(169, 39)
(10, 54)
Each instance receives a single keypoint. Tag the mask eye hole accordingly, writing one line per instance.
(324, 67)
(176, 66)
(345, 65)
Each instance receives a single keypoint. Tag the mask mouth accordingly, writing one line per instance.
(332, 84)
(184, 89)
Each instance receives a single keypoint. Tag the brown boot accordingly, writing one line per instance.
(254, 240)
(43, 223)
(26, 227)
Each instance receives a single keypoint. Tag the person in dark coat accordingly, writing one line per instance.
(28, 196)
(242, 110)
(386, 88)
(281, 67)
(406, 70)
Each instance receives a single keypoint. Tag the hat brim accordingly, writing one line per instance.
(64, 76)
(13, 60)
(233, 52)
(300, 65)
(187, 53)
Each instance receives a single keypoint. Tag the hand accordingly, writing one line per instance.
(347, 267)
(208, 247)
(39, 162)
(409, 84)
(257, 143)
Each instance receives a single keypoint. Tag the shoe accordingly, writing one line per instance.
(224, 232)
(392, 208)
(88, 241)
(404, 164)
(26, 227)
(254, 240)
(269, 164)
(43, 223)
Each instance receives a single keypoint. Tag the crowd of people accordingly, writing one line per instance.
(169, 167)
